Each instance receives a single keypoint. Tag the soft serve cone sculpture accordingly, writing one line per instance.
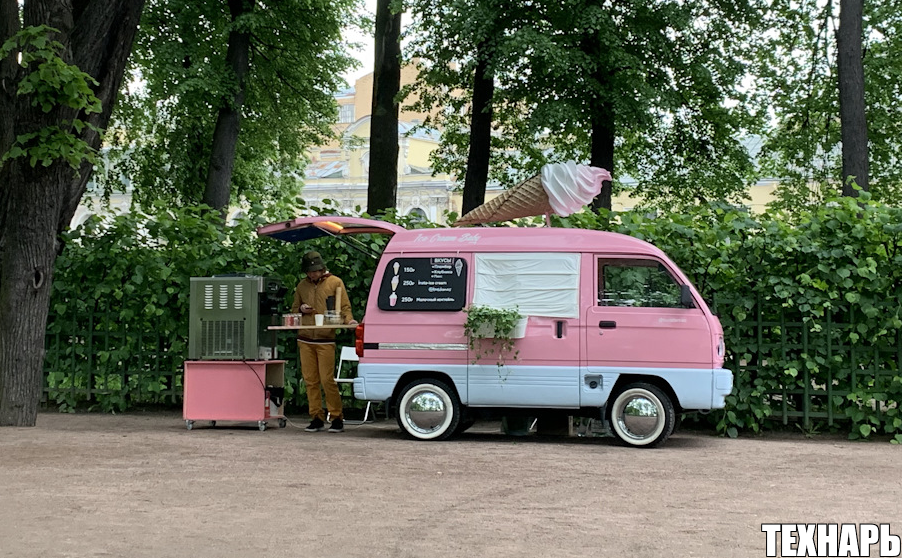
(561, 188)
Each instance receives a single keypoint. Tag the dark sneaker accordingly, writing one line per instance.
(337, 426)
(316, 425)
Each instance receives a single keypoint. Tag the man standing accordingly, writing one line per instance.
(317, 346)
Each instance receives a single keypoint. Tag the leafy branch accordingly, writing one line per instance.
(51, 83)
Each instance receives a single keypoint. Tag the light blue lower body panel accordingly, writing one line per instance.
(723, 386)
(523, 386)
(376, 382)
(559, 387)
(695, 388)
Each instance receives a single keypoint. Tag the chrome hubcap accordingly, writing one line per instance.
(640, 417)
(426, 412)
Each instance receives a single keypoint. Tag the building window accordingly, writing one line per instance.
(346, 114)
(418, 214)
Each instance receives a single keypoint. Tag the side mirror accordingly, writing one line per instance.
(686, 297)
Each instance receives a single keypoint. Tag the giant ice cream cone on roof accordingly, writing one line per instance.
(523, 200)
(561, 188)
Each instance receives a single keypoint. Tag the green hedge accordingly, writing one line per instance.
(117, 332)
(810, 304)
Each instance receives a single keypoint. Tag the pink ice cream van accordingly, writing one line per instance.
(613, 329)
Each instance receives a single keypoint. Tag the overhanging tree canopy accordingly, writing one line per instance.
(653, 86)
(797, 69)
(167, 120)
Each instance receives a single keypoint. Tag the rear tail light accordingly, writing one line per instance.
(358, 340)
(719, 350)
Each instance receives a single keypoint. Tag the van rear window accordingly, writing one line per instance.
(438, 283)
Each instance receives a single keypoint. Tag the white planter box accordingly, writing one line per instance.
(519, 331)
(488, 332)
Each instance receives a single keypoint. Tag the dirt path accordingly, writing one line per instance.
(141, 485)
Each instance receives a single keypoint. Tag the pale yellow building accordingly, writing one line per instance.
(339, 171)
(760, 194)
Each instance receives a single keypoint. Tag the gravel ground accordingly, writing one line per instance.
(141, 485)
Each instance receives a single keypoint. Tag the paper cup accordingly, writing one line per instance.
(319, 319)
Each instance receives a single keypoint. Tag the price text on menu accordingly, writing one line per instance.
(424, 284)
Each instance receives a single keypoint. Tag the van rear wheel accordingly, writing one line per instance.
(642, 416)
(428, 410)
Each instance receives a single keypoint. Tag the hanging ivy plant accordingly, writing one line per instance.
(491, 330)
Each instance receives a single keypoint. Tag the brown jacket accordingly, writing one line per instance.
(315, 294)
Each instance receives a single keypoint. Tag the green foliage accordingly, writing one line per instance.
(795, 69)
(51, 83)
(118, 322)
(662, 76)
(810, 302)
(489, 330)
(296, 59)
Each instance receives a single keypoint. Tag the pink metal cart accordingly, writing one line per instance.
(234, 390)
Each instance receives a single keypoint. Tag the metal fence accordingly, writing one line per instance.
(805, 370)
(802, 370)
(99, 362)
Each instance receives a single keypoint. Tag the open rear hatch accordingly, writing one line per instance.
(335, 226)
(307, 228)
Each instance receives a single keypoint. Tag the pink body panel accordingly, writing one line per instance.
(634, 344)
(503, 239)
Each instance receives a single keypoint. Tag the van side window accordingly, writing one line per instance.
(642, 283)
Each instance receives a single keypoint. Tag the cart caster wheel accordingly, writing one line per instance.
(262, 425)
(283, 423)
(189, 424)
(212, 423)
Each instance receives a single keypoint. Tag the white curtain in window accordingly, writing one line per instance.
(537, 284)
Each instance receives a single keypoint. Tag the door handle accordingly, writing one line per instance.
(607, 325)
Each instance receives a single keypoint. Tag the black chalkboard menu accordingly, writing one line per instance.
(424, 284)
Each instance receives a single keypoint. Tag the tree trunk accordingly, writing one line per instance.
(9, 26)
(27, 271)
(9, 67)
(225, 136)
(852, 113)
(480, 132)
(38, 202)
(382, 191)
(602, 119)
(603, 135)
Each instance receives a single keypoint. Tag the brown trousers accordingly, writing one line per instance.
(318, 369)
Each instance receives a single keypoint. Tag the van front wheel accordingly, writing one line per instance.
(642, 415)
(428, 410)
